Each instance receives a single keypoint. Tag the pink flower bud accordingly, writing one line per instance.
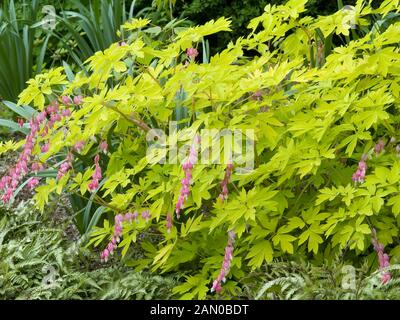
(66, 113)
(66, 100)
(118, 229)
(386, 277)
(217, 284)
(146, 215)
(78, 99)
(383, 258)
(188, 174)
(32, 183)
(224, 183)
(41, 116)
(378, 148)
(110, 247)
(36, 167)
(103, 146)
(119, 218)
(257, 96)
(21, 122)
(94, 184)
(45, 148)
(78, 146)
(169, 223)
(129, 217)
(359, 175)
(106, 253)
(192, 53)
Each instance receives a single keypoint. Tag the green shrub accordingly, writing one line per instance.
(319, 114)
(241, 12)
(21, 55)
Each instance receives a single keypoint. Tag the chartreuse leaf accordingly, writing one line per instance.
(285, 240)
(99, 234)
(260, 252)
(395, 203)
(163, 254)
(43, 192)
(10, 146)
(313, 237)
(195, 287)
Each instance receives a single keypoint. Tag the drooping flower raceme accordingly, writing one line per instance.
(129, 217)
(187, 167)
(226, 264)
(65, 166)
(10, 182)
(359, 175)
(169, 223)
(112, 245)
(217, 284)
(96, 177)
(383, 258)
(118, 227)
(54, 114)
(224, 183)
(40, 125)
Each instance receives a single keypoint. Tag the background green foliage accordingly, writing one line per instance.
(241, 12)
(21, 52)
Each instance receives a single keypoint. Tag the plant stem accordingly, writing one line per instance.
(137, 122)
